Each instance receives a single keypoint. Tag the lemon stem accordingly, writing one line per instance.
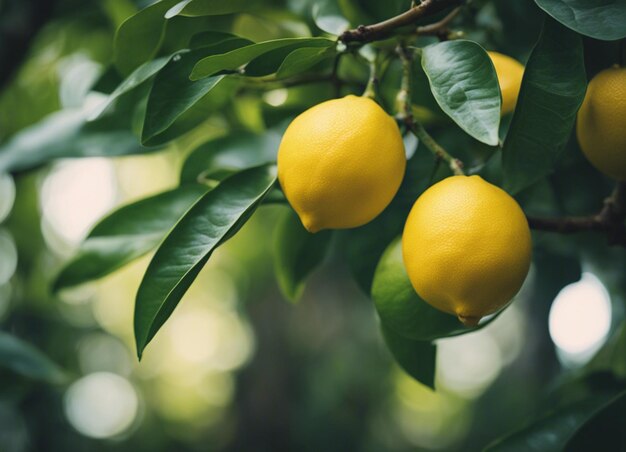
(404, 108)
(372, 82)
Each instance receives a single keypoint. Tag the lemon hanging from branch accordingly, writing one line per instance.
(340, 163)
(466, 247)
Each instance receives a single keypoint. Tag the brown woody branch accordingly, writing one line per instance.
(382, 30)
(609, 221)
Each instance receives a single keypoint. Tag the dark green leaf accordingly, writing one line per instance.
(215, 218)
(417, 358)
(402, 310)
(296, 253)
(139, 37)
(552, 90)
(174, 97)
(233, 60)
(126, 234)
(212, 7)
(138, 77)
(600, 19)
(553, 432)
(223, 156)
(24, 359)
(465, 85)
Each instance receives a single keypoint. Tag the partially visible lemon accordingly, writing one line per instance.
(510, 73)
(601, 126)
(340, 163)
(466, 247)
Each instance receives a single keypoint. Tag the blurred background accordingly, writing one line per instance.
(237, 367)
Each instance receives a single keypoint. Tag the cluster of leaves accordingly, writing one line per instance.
(179, 63)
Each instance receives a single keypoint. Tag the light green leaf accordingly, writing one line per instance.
(214, 38)
(24, 359)
(218, 158)
(233, 60)
(215, 218)
(140, 36)
(552, 90)
(465, 85)
(67, 134)
(212, 7)
(553, 432)
(402, 310)
(303, 59)
(599, 19)
(137, 78)
(297, 253)
(417, 358)
(126, 234)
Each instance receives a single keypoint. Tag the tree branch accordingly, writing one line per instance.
(406, 115)
(382, 30)
(609, 221)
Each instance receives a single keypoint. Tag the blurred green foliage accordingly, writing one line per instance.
(235, 367)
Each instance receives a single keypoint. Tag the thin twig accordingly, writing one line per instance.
(382, 30)
(609, 221)
(439, 29)
(406, 115)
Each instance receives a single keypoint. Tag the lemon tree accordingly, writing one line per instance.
(417, 143)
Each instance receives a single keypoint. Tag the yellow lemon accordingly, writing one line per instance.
(466, 247)
(510, 73)
(601, 126)
(340, 163)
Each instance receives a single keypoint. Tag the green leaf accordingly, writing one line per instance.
(465, 85)
(552, 90)
(126, 234)
(402, 310)
(271, 62)
(553, 432)
(226, 155)
(67, 134)
(329, 17)
(174, 97)
(215, 218)
(213, 38)
(137, 78)
(417, 358)
(212, 7)
(24, 359)
(296, 253)
(303, 59)
(599, 19)
(140, 36)
(233, 60)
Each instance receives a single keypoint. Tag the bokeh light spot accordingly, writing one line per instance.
(580, 319)
(101, 405)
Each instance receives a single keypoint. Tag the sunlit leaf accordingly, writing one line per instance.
(552, 90)
(126, 234)
(233, 60)
(212, 7)
(215, 218)
(464, 83)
